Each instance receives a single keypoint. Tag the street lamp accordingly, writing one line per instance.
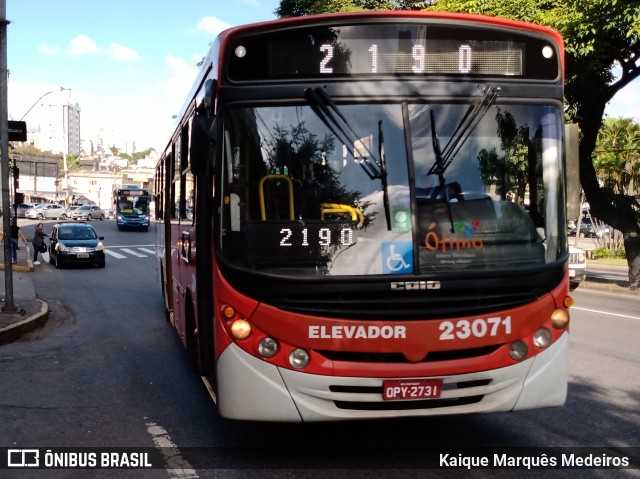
(41, 97)
(64, 133)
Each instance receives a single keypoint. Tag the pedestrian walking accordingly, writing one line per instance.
(38, 241)
(16, 235)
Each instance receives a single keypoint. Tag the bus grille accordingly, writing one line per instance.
(452, 401)
(406, 305)
(575, 258)
(359, 357)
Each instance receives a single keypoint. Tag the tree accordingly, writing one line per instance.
(616, 159)
(299, 8)
(510, 171)
(617, 156)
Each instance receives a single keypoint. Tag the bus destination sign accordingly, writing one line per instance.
(379, 50)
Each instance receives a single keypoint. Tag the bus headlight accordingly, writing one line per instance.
(542, 338)
(240, 329)
(298, 358)
(560, 319)
(518, 350)
(268, 347)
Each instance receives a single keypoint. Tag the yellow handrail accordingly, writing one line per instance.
(263, 211)
(328, 208)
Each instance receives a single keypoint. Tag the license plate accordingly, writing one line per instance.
(83, 255)
(393, 390)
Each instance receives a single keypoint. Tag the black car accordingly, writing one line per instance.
(76, 243)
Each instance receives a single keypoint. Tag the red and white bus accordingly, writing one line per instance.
(363, 215)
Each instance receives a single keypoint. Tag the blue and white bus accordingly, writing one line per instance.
(132, 208)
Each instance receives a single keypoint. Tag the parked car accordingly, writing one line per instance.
(75, 243)
(588, 229)
(68, 211)
(31, 211)
(21, 208)
(43, 211)
(577, 267)
(88, 212)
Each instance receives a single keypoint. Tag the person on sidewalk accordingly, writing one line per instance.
(16, 235)
(38, 241)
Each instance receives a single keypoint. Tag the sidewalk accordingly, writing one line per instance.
(32, 313)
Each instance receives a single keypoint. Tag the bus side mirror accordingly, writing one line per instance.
(202, 146)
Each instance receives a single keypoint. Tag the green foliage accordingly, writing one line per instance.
(603, 252)
(299, 8)
(31, 150)
(617, 155)
(509, 170)
(73, 162)
(525, 10)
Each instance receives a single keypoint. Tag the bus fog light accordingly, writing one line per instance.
(560, 319)
(518, 350)
(240, 329)
(298, 358)
(542, 338)
(267, 347)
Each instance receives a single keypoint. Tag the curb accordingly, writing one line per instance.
(16, 267)
(20, 266)
(14, 331)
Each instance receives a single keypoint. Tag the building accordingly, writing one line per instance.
(53, 124)
(42, 179)
(39, 177)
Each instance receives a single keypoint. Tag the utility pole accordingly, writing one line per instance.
(8, 306)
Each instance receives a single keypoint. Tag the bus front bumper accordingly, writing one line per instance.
(252, 389)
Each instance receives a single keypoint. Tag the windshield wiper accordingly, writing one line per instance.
(383, 178)
(329, 113)
(445, 157)
(469, 122)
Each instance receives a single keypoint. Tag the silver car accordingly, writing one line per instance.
(577, 267)
(88, 212)
(43, 211)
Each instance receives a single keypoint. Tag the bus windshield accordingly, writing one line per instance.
(319, 189)
(128, 204)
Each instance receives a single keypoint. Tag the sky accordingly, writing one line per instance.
(129, 64)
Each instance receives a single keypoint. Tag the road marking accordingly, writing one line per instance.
(132, 246)
(177, 466)
(147, 250)
(606, 312)
(114, 254)
(134, 253)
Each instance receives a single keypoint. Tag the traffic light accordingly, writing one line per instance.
(19, 198)
(16, 178)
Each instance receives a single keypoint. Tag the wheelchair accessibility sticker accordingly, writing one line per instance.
(397, 257)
